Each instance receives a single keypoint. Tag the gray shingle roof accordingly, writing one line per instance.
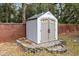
(36, 16)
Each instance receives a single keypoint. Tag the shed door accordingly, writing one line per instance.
(52, 30)
(47, 30)
(44, 30)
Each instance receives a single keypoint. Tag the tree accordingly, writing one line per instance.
(24, 6)
(65, 13)
(69, 13)
(33, 9)
(8, 12)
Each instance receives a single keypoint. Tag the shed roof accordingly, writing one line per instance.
(36, 16)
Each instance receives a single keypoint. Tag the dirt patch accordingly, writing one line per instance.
(10, 49)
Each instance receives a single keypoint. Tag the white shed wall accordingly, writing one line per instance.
(48, 15)
(31, 30)
(39, 31)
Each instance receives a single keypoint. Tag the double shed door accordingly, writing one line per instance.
(47, 30)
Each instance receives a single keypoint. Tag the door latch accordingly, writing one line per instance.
(48, 30)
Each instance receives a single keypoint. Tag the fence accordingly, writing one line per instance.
(9, 31)
(67, 28)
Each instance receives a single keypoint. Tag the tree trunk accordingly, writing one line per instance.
(24, 12)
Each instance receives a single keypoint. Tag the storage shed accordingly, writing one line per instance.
(42, 28)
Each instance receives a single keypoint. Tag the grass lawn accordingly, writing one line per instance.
(72, 47)
(10, 48)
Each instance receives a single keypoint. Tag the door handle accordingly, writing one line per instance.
(48, 30)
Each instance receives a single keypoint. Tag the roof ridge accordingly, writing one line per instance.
(36, 15)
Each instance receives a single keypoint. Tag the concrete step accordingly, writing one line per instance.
(55, 46)
(57, 49)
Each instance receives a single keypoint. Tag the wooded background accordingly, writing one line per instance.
(19, 12)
